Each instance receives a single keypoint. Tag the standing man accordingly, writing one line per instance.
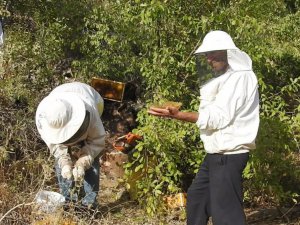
(228, 119)
(68, 120)
(1, 33)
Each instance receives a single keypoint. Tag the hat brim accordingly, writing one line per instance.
(59, 135)
(202, 50)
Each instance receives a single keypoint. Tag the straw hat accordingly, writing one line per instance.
(58, 117)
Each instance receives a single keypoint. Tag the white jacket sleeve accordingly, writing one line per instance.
(60, 153)
(94, 144)
(231, 97)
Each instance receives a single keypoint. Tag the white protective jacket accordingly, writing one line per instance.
(229, 108)
(94, 138)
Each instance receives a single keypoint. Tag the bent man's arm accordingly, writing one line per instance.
(172, 112)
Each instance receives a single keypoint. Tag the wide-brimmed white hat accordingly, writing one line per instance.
(215, 41)
(59, 117)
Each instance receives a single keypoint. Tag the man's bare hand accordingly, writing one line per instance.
(164, 112)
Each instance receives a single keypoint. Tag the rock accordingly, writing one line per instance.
(112, 164)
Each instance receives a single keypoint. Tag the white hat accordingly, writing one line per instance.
(215, 41)
(59, 117)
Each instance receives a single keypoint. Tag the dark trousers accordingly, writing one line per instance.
(217, 191)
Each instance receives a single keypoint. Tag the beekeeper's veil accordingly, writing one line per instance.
(220, 40)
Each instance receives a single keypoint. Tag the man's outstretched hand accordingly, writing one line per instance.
(173, 112)
(164, 112)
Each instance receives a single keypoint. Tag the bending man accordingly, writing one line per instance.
(68, 120)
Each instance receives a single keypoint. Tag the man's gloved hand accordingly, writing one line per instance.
(66, 172)
(80, 166)
(78, 173)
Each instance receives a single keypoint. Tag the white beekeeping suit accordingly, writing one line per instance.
(1, 50)
(1, 35)
(229, 106)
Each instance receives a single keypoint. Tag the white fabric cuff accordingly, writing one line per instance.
(202, 119)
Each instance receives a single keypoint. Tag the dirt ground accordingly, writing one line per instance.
(117, 201)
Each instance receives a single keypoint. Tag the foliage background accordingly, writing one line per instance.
(150, 43)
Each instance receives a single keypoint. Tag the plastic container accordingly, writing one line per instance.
(49, 201)
(127, 142)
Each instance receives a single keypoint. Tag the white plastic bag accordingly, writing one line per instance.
(49, 201)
